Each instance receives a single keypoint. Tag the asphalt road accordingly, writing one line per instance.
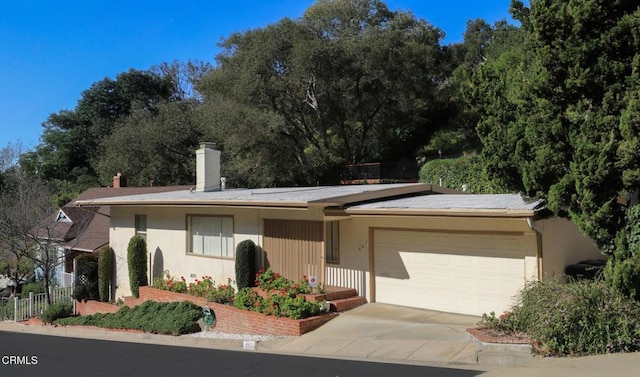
(42, 355)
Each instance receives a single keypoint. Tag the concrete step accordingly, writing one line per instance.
(334, 293)
(503, 358)
(344, 304)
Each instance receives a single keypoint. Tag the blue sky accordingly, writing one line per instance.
(50, 51)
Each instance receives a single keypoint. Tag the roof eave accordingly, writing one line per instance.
(338, 201)
(441, 212)
(192, 203)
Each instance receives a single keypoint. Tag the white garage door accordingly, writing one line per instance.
(450, 272)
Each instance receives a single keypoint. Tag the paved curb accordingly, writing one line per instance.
(508, 354)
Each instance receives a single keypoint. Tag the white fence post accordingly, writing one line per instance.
(31, 304)
(15, 309)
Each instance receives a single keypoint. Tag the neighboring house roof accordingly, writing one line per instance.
(451, 205)
(297, 197)
(88, 227)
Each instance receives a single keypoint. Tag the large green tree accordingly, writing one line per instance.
(70, 143)
(349, 82)
(153, 147)
(560, 113)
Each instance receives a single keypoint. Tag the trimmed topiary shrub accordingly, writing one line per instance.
(245, 264)
(87, 277)
(137, 262)
(105, 272)
(56, 311)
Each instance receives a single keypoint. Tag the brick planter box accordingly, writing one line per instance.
(230, 319)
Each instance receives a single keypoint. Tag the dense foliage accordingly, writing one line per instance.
(137, 262)
(245, 264)
(559, 114)
(33, 287)
(175, 318)
(580, 318)
(466, 171)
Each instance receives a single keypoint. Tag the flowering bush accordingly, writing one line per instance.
(283, 298)
(222, 294)
(201, 288)
(169, 283)
(269, 280)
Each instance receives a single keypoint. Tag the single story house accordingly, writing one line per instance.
(416, 245)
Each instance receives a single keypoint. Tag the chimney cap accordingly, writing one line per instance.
(208, 145)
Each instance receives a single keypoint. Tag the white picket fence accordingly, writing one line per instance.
(15, 309)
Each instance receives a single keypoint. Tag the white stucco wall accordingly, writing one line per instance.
(562, 245)
(167, 240)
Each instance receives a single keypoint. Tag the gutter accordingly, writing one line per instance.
(180, 203)
(441, 212)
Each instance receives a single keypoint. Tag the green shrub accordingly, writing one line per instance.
(578, 318)
(105, 273)
(56, 311)
(35, 287)
(455, 172)
(622, 271)
(173, 318)
(87, 277)
(245, 264)
(222, 294)
(298, 307)
(246, 298)
(137, 262)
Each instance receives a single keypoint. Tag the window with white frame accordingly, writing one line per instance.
(141, 226)
(210, 235)
(332, 242)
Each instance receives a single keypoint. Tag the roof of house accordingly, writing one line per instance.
(88, 228)
(388, 199)
(321, 196)
(465, 204)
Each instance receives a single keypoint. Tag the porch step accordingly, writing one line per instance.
(338, 293)
(344, 304)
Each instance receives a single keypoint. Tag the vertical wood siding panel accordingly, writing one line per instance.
(293, 247)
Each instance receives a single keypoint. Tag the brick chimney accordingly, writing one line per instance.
(207, 167)
(119, 181)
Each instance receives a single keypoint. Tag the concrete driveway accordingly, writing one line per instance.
(388, 333)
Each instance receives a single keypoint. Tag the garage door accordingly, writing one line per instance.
(450, 272)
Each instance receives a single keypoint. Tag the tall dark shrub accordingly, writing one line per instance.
(105, 272)
(246, 264)
(86, 277)
(137, 261)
